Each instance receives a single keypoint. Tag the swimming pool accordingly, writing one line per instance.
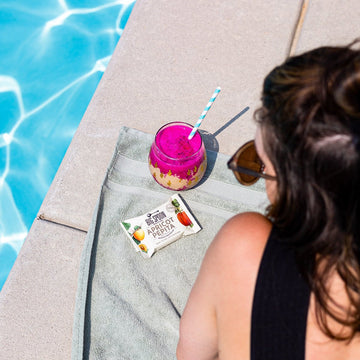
(54, 53)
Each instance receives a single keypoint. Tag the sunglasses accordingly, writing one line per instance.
(247, 165)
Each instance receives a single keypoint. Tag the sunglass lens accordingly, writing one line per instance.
(247, 158)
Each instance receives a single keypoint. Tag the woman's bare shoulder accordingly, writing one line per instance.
(237, 249)
(248, 224)
(244, 235)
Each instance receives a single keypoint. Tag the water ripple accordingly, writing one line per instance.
(54, 53)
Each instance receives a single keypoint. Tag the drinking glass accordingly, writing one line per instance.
(175, 162)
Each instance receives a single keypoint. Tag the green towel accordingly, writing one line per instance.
(128, 307)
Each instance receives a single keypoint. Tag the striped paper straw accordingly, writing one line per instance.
(207, 108)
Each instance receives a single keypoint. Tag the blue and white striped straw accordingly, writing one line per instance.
(207, 108)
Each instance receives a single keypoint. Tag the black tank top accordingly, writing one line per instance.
(280, 305)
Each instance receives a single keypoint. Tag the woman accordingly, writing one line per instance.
(287, 285)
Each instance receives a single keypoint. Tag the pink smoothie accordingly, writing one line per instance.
(176, 162)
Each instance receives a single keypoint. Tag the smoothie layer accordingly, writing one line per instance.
(173, 142)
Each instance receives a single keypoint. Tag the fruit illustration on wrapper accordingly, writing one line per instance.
(143, 248)
(184, 219)
(137, 234)
(181, 214)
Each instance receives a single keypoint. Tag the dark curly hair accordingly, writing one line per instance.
(311, 126)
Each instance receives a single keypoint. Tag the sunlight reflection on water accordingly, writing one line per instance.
(54, 54)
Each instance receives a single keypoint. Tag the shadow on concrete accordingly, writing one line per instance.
(242, 112)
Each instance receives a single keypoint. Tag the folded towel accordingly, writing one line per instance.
(128, 307)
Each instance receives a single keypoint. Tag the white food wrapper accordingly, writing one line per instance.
(161, 226)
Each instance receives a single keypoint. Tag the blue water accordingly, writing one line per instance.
(53, 54)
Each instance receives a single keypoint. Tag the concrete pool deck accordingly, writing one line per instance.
(171, 57)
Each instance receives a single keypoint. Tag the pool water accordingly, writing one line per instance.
(54, 53)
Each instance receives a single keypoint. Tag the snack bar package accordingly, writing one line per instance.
(161, 226)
